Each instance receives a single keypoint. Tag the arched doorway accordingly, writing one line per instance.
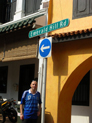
(81, 101)
(66, 94)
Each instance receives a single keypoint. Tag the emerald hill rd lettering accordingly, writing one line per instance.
(49, 28)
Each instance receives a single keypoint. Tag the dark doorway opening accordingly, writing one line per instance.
(26, 76)
(3, 79)
(81, 95)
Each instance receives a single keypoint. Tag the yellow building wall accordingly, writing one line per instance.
(70, 61)
(62, 9)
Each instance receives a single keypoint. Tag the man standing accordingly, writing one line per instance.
(30, 99)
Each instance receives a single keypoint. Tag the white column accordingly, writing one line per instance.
(20, 7)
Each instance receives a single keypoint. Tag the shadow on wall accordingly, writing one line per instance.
(60, 59)
(47, 116)
(62, 53)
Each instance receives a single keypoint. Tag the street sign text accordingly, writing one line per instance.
(49, 28)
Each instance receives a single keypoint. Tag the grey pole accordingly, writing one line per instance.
(43, 91)
(44, 80)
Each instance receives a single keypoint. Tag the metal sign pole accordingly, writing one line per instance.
(44, 80)
(43, 91)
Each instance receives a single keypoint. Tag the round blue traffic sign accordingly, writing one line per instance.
(45, 48)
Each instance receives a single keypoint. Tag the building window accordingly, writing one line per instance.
(82, 8)
(32, 6)
(3, 79)
(13, 9)
(81, 95)
(7, 10)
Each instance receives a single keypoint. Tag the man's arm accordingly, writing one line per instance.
(21, 112)
(39, 111)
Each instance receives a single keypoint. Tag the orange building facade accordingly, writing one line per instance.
(71, 57)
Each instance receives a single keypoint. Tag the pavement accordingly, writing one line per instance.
(7, 120)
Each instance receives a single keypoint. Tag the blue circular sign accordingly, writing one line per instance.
(45, 48)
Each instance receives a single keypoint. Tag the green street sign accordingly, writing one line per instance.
(49, 28)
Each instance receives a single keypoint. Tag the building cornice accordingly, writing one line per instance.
(23, 21)
(34, 15)
(72, 35)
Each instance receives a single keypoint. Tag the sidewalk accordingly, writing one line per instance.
(7, 120)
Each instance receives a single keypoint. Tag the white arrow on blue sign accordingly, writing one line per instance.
(45, 46)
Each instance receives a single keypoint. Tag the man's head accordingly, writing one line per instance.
(33, 85)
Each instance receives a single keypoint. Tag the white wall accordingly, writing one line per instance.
(13, 76)
(83, 114)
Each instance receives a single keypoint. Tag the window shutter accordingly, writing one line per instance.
(8, 8)
(90, 6)
(29, 6)
(1, 51)
(81, 5)
(80, 8)
(13, 9)
(18, 50)
(2, 10)
(37, 4)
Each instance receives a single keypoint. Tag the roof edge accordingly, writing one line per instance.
(34, 15)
